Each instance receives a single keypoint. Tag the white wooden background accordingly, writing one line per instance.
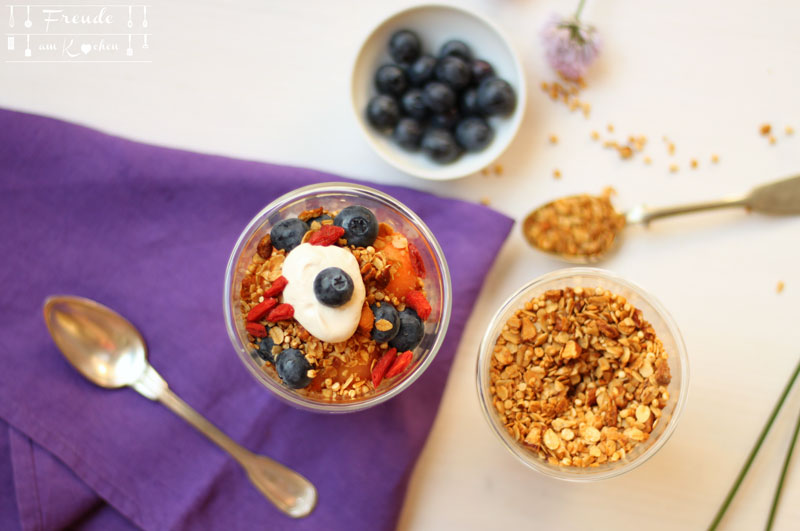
(268, 79)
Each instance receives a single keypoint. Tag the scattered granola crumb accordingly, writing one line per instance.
(693, 164)
(765, 129)
(610, 128)
(772, 139)
(567, 91)
(485, 172)
(498, 169)
(715, 158)
(789, 130)
(648, 160)
(626, 151)
(485, 201)
(780, 286)
(673, 168)
(595, 135)
(553, 139)
(556, 174)
(670, 145)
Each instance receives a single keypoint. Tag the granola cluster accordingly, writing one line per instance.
(576, 226)
(579, 377)
(340, 371)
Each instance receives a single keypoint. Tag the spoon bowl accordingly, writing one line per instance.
(104, 346)
(576, 259)
(581, 229)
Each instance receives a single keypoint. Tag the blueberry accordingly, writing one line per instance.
(319, 219)
(292, 367)
(410, 334)
(481, 70)
(264, 350)
(445, 120)
(333, 286)
(404, 46)
(439, 97)
(288, 233)
(413, 104)
(359, 224)
(474, 134)
(383, 112)
(496, 97)
(390, 79)
(408, 134)
(454, 71)
(456, 48)
(421, 71)
(389, 313)
(468, 102)
(440, 146)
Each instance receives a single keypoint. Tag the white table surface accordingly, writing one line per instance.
(267, 80)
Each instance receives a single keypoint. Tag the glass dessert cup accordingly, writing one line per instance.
(332, 197)
(666, 330)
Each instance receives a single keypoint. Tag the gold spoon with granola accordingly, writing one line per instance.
(584, 228)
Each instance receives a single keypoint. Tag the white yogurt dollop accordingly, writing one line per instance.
(300, 268)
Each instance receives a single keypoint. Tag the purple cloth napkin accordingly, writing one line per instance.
(147, 231)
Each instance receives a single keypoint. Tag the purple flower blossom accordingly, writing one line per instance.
(570, 47)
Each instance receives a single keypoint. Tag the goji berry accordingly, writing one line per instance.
(277, 287)
(260, 310)
(281, 312)
(327, 235)
(256, 329)
(417, 301)
(383, 364)
(399, 364)
(264, 249)
(416, 260)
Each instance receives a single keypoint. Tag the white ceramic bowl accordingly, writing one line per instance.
(436, 24)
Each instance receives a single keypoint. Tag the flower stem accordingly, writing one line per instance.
(786, 462)
(753, 452)
(580, 8)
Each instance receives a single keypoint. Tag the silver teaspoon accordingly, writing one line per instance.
(775, 198)
(109, 351)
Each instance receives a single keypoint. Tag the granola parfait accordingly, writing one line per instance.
(337, 297)
(582, 374)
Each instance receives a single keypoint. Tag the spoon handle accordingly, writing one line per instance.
(644, 215)
(288, 490)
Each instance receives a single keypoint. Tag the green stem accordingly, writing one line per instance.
(580, 8)
(786, 462)
(753, 452)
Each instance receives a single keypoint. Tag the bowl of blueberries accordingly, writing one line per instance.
(438, 91)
